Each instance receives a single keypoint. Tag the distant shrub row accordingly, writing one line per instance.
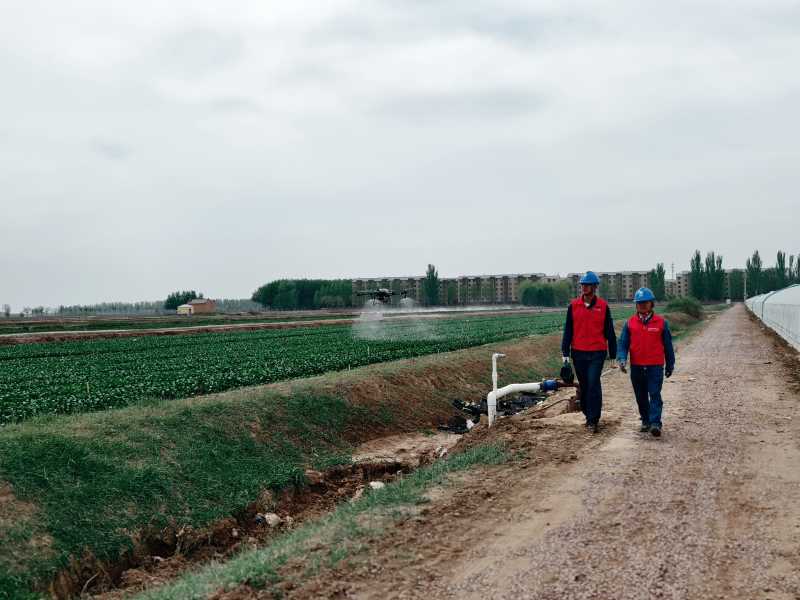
(686, 304)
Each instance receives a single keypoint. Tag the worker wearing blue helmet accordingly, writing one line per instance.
(589, 339)
(647, 337)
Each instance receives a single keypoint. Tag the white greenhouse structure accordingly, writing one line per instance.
(780, 311)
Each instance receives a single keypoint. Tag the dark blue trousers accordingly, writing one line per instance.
(647, 382)
(588, 368)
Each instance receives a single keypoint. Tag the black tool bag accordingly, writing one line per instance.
(567, 375)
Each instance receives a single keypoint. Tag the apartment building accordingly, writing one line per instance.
(616, 286)
(495, 289)
(682, 284)
(461, 290)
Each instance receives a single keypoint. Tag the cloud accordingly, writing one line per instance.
(193, 53)
(235, 104)
(481, 104)
(295, 138)
(110, 149)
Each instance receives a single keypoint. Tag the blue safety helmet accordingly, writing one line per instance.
(644, 295)
(590, 278)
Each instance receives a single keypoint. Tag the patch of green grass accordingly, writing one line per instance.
(107, 476)
(686, 304)
(714, 308)
(11, 589)
(681, 331)
(326, 542)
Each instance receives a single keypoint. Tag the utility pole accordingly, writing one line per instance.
(745, 284)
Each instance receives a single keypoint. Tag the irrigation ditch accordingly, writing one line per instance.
(161, 555)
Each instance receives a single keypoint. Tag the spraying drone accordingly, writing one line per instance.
(382, 295)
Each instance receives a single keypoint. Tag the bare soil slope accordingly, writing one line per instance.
(710, 510)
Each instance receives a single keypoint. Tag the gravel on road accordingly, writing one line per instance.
(709, 510)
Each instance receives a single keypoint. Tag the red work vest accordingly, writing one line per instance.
(588, 325)
(647, 341)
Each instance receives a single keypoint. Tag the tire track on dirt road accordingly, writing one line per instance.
(710, 510)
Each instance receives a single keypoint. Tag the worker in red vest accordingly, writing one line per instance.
(589, 338)
(647, 337)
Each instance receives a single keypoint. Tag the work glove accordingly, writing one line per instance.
(623, 366)
(566, 360)
(567, 376)
(668, 373)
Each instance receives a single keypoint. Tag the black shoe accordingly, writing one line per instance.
(596, 428)
(656, 431)
(644, 428)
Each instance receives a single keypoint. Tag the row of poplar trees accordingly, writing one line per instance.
(707, 276)
(761, 280)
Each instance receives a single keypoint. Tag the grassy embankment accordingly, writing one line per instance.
(325, 542)
(684, 325)
(90, 484)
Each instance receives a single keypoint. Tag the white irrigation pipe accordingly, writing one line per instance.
(512, 388)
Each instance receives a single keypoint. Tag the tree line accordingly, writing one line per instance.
(431, 295)
(305, 294)
(175, 299)
(540, 293)
(761, 280)
(707, 281)
(101, 308)
(658, 282)
(309, 294)
(155, 307)
(707, 277)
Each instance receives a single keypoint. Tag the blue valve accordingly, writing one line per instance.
(549, 385)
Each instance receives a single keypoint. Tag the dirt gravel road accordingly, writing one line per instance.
(709, 510)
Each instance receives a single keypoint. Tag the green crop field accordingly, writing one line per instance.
(38, 379)
(145, 323)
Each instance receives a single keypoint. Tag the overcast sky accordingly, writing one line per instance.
(152, 146)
